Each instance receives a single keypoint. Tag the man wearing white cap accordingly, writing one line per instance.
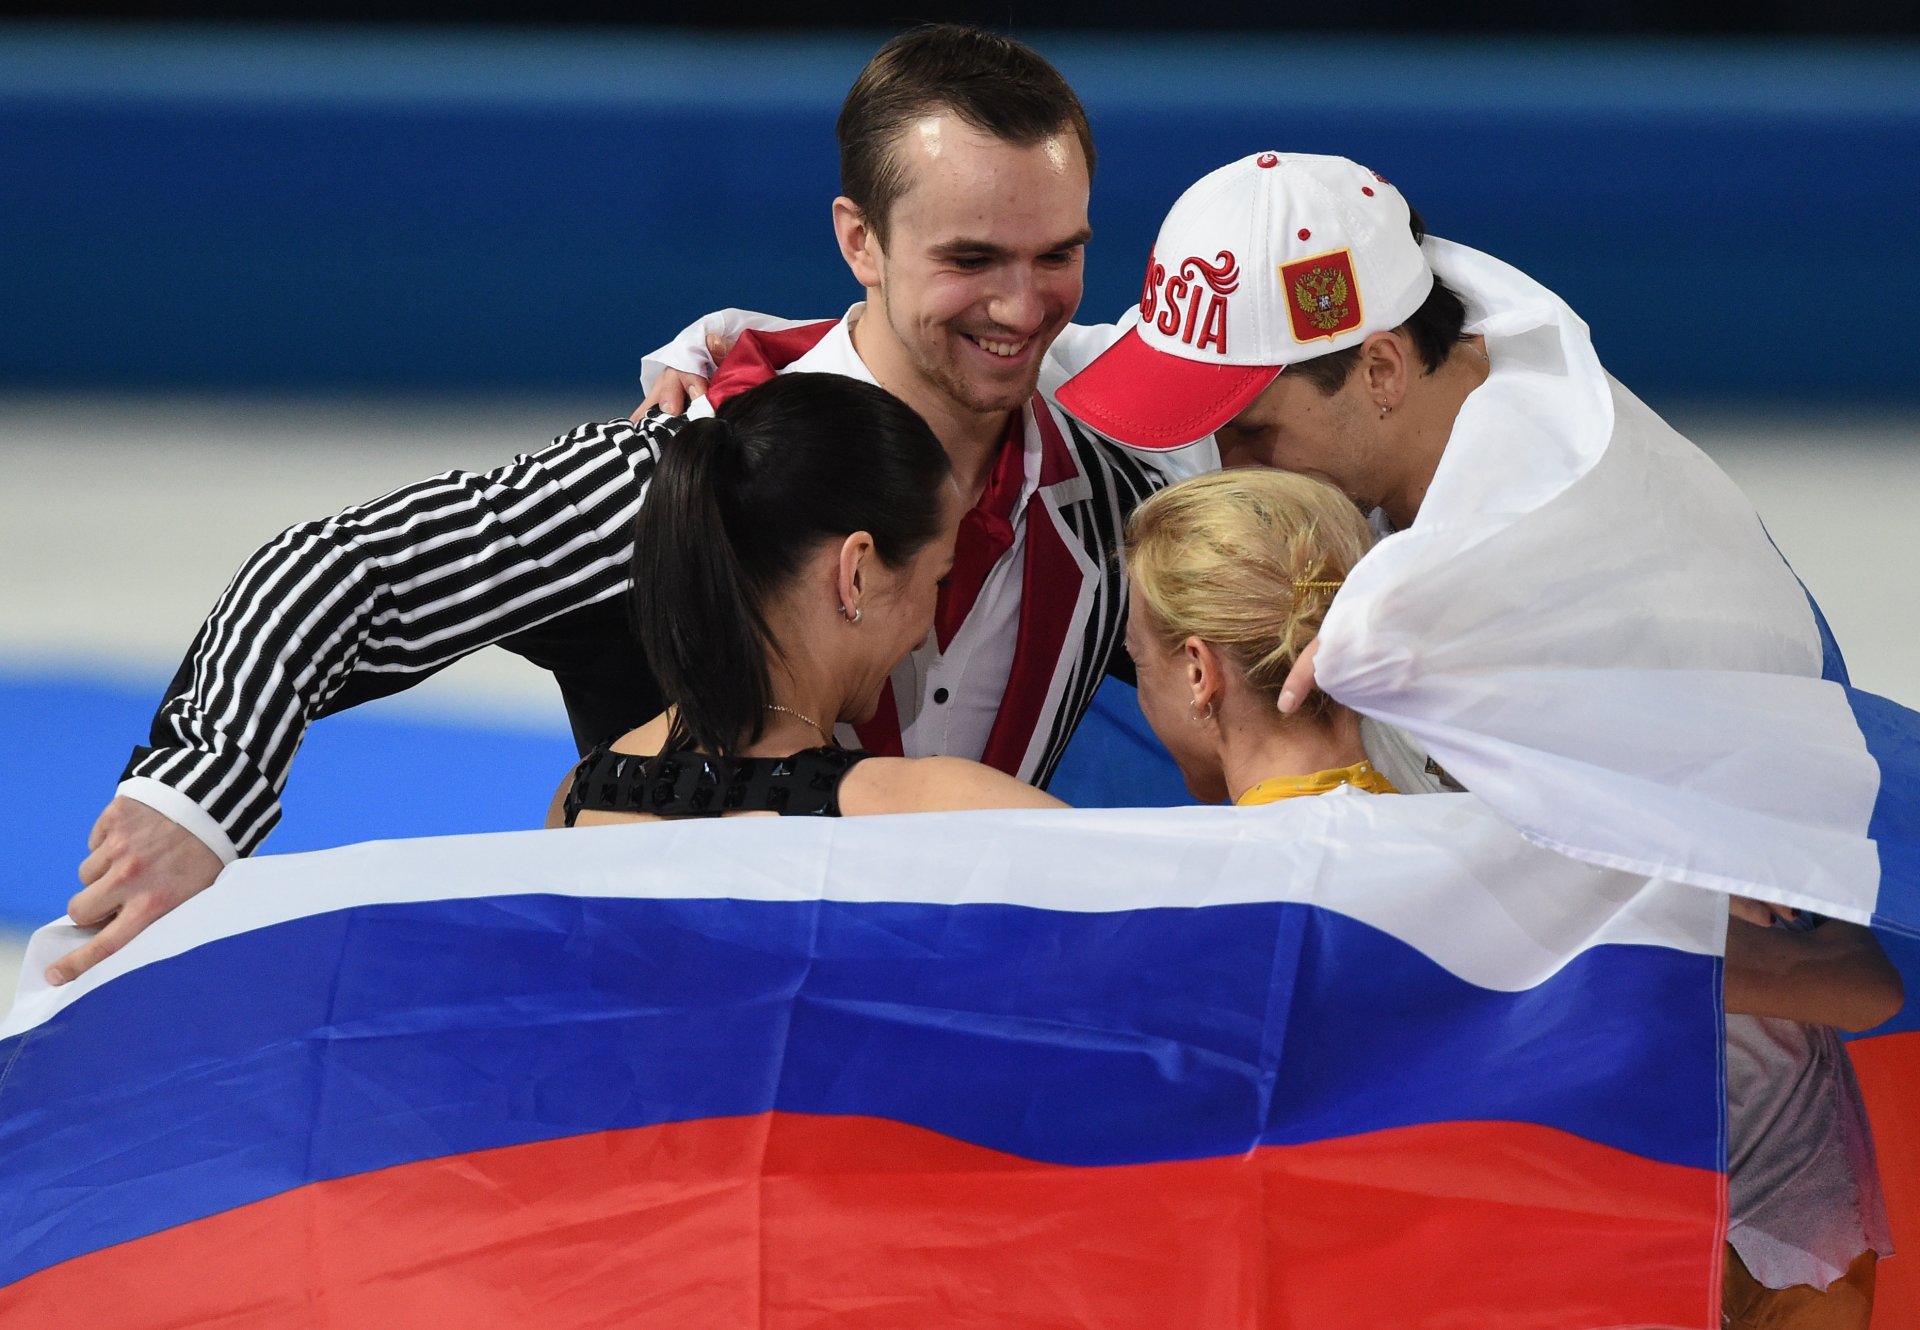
(1579, 614)
(1288, 261)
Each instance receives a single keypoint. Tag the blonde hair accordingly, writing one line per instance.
(1248, 560)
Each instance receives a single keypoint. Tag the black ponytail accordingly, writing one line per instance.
(738, 503)
(690, 595)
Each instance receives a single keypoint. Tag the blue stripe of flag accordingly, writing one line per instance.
(1892, 734)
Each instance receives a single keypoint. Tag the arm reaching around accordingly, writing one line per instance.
(1832, 974)
(675, 374)
(348, 608)
(679, 372)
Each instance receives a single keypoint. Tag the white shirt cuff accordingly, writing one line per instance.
(176, 807)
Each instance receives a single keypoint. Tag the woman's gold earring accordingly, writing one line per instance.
(1193, 710)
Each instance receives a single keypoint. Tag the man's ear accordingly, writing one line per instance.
(1387, 362)
(859, 246)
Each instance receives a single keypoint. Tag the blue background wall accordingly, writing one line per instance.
(270, 209)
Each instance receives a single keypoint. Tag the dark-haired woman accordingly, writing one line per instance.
(787, 557)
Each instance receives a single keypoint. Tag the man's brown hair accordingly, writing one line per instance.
(992, 82)
(1436, 328)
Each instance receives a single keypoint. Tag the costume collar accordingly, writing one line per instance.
(1361, 776)
(834, 353)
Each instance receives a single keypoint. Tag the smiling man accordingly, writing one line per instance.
(967, 224)
(966, 163)
(965, 166)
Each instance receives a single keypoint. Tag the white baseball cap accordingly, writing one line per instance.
(1272, 260)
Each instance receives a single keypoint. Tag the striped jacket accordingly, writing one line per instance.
(534, 557)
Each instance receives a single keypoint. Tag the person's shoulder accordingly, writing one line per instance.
(1097, 453)
(587, 454)
(933, 785)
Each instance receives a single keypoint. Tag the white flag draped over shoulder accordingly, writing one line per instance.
(1588, 626)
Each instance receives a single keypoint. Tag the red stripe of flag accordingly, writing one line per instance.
(785, 1220)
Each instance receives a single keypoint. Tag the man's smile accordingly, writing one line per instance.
(1004, 350)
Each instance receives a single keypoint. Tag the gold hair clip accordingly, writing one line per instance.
(1301, 585)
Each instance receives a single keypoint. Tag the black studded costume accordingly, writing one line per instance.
(689, 784)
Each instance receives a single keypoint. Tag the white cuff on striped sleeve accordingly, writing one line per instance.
(171, 804)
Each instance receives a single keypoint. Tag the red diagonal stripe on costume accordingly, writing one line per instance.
(1049, 589)
(985, 534)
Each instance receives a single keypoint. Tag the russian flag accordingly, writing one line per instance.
(1346, 1061)
(1589, 628)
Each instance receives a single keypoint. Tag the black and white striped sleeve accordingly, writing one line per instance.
(375, 598)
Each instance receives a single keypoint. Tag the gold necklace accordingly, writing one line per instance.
(775, 706)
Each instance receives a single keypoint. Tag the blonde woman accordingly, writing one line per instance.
(1230, 575)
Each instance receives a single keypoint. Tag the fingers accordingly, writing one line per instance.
(116, 819)
(719, 347)
(1300, 680)
(125, 926)
(663, 388)
(141, 865)
(668, 395)
(95, 905)
(111, 818)
(672, 392)
(94, 866)
(678, 390)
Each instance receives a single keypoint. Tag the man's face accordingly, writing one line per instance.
(1293, 426)
(983, 263)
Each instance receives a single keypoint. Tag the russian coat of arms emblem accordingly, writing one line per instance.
(1323, 297)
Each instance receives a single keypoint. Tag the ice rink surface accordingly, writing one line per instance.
(123, 518)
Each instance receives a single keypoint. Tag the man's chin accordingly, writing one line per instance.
(1003, 395)
(976, 389)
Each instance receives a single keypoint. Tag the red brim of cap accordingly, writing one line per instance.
(1149, 399)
